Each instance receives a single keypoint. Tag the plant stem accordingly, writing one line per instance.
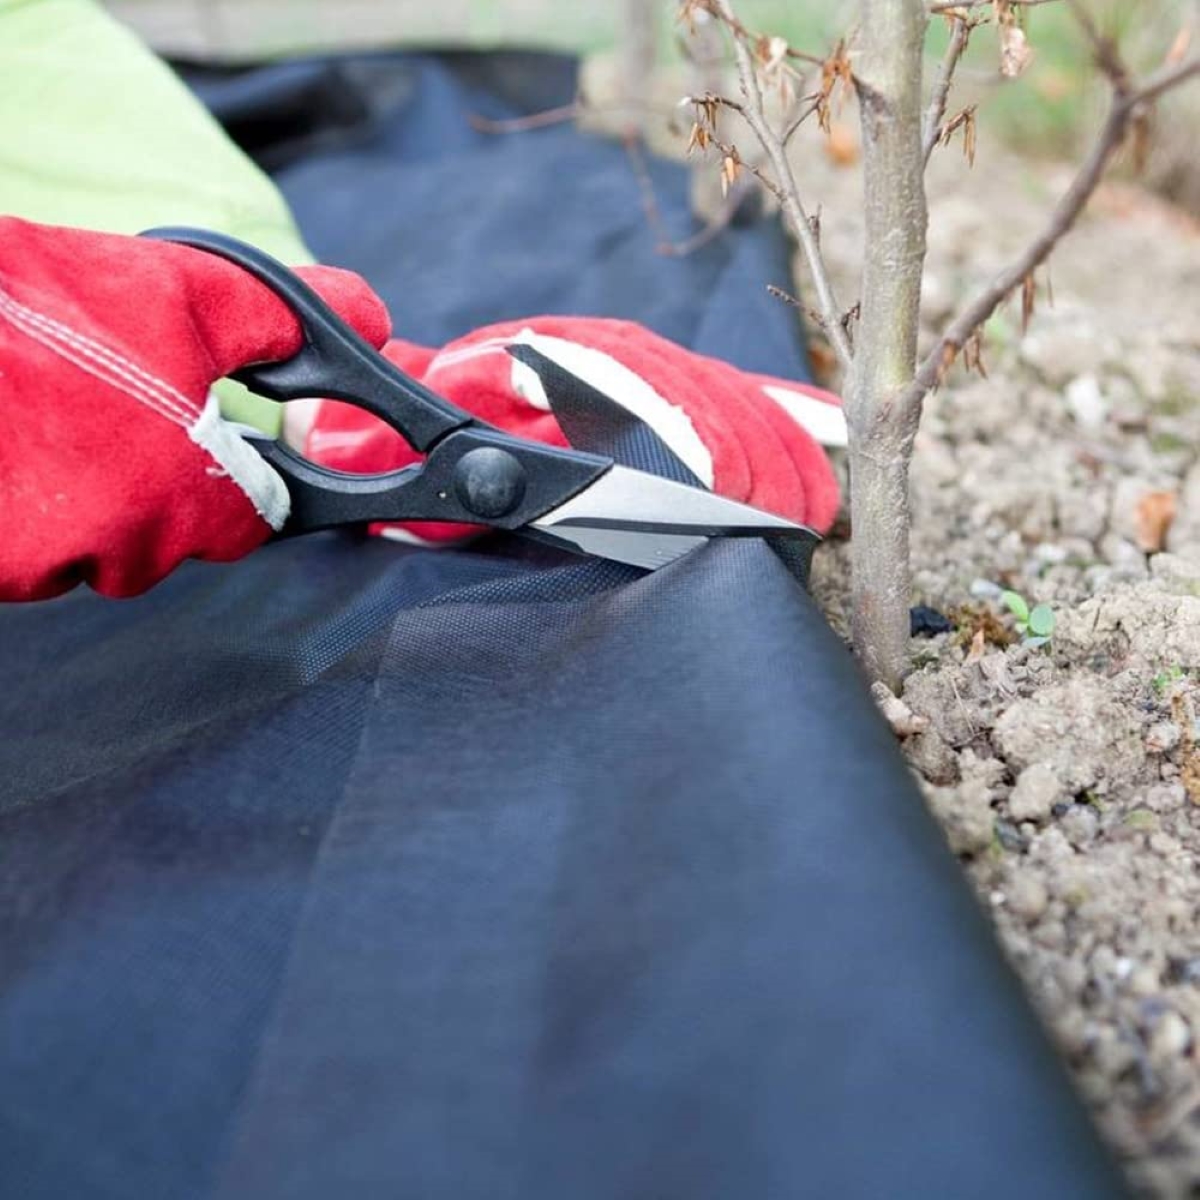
(888, 79)
(1126, 102)
(754, 112)
(959, 36)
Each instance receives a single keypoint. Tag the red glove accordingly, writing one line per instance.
(752, 438)
(114, 462)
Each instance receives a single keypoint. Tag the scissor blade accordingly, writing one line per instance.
(647, 521)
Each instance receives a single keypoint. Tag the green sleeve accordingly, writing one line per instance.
(95, 131)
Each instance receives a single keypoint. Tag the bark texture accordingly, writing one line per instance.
(888, 77)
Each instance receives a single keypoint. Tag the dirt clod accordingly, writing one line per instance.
(965, 814)
(1074, 729)
(1037, 791)
(930, 756)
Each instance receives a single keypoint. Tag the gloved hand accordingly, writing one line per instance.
(115, 464)
(750, 437)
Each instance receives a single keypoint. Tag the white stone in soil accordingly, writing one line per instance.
(1087, 403)
(1162, 737)
(1081, 824)
(1027, 896)
(1171, 1037)
(1037, 791)
(965, 814)
(1164, 797)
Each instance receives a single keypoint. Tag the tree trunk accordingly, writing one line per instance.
(881, 576)
(882, 425)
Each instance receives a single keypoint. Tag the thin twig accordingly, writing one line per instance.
(786, 297)
(754, 113)
(566, 112)
(666, 245)
(811, 105)
(728, 150)
(1163, 80)
(1125, 106)
(654, 217)
(1105, 49)
(946, 5)
(537, 120)
(709, 231)
(931, 131)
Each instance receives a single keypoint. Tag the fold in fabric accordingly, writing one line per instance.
(497, 874)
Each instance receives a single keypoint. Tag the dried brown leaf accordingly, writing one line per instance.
(841, 146)
(973, 353)
(1185, 718)
(1152, 518)
(969, 138)
(1179, 47)
(975, 621)
(965, 121)
(772, 53)
(1028, 295)
(731, 168)
(824, 112)
(978, 645)
(1190, 775)
(835, 71)
(949, 355)
(1140, 130)
(1015, 51)
(824, 360)
(688, 11)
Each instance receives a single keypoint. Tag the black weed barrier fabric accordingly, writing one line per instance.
(360, 871)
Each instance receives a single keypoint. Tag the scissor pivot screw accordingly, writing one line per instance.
(489, 482)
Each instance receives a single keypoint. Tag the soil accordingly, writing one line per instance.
(1067, 775)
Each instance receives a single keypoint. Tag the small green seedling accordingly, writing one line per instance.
(1164, 681)
(1035, 625)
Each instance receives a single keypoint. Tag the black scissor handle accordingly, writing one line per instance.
(474, 476)
(335, 361)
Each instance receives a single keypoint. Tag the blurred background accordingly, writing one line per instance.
(1047, 112)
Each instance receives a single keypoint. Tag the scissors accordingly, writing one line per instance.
(473, 473)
